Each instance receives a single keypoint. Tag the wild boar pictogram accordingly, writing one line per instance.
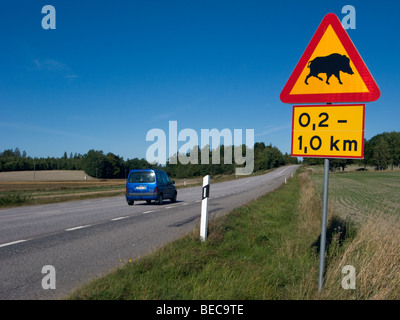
(331, 65)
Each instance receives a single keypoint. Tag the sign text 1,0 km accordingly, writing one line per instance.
(328, 131)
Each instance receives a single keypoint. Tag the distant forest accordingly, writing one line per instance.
(110, 166)
(382, 152)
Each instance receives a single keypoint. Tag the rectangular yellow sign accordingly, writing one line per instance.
(328, 131)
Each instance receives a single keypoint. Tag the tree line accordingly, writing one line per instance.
(110, 166)
(95, 163)
(382, 152)
(265, 157)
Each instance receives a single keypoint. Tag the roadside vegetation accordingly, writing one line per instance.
(267, 249)
(14, 199)
(31, 193)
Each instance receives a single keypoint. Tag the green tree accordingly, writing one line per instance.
(381, 154)
(393, 140)
(94, 163)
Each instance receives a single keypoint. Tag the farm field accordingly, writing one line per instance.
(358, 194)
(27, 187)
(16, 188)
(368, 203)
(45, 175)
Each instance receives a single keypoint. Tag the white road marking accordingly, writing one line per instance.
(148, 211)
(48, 212)
(119, 218)
(76, 228)
(282, 170)
(11, 243)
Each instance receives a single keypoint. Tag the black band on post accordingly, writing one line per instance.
(205, 192)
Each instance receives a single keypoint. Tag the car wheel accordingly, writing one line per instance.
(148, 201)
(130, 202)
(173, 199)
(160, 199)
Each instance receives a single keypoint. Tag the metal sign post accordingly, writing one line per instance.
(323, 226)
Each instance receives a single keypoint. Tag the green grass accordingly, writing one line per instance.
(29, 193)
(14, 199)
(255, 252)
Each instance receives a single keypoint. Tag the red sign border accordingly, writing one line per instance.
(324, 156)
(372, 95)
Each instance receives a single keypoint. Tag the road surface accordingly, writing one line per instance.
(86, 239)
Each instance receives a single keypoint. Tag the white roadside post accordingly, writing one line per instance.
(204, 208)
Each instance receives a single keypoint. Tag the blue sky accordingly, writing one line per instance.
(113, 70)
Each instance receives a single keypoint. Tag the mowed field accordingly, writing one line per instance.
(358, 194)
(365, 204)
(45, 175)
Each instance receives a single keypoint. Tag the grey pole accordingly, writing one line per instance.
(323, 226)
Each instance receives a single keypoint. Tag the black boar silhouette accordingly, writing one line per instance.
(331, 65)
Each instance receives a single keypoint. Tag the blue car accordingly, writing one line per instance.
(147, 185)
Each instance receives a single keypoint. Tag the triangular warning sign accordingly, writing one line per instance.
(330, 70)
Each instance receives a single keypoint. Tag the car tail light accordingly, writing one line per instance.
(127, 190)
(156, 190)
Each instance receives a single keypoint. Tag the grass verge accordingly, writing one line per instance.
(31, 193)
(14, 199)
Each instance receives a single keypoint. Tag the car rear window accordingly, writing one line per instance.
(142, 177)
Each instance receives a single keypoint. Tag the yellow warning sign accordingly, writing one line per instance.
(328, 131)
(330, 70)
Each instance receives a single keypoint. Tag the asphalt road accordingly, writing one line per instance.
(86, 239)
